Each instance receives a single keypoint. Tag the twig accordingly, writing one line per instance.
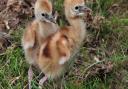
(92, 65)
(14, 80)
(5, 64)
(3, 11)
(3, 54)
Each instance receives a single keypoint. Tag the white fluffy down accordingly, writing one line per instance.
(62, 60)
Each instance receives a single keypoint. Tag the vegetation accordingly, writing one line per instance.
(109, 41)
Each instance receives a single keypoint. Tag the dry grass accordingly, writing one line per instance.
(108, 42)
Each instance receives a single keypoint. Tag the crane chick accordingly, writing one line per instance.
(59, 48)
(40, 28)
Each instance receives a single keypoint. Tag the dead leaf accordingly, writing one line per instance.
(11, 2)
(15, 12)
(6, 24)
(113, 9)
(13, 81)
(97, 21)
(96, 59)
(2, 26)
(100, 69)
(14, 22)
(3, 4)
(5, 41)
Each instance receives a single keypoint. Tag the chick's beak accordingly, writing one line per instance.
(51, 19)
(85, 9)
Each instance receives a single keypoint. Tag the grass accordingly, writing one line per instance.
(112, 39)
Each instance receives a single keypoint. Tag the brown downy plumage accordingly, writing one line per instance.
(60, 47)
(36, 32)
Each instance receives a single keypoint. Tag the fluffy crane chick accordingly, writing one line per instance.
(36, 32)
(60, 47)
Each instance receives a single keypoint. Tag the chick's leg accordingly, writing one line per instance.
(30, 76)
(41, 82)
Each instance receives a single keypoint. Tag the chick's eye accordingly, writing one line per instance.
(43, 14)
(77, 7)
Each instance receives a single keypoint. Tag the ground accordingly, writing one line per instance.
(107, 41)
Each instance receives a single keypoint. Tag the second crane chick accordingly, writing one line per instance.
(36, 32)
